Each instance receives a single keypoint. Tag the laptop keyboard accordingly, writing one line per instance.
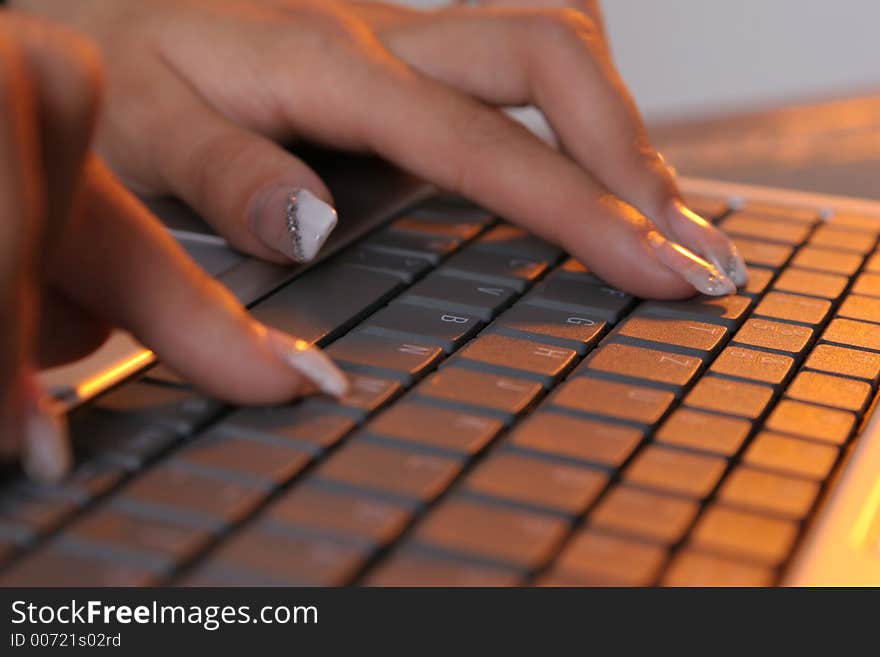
(512, 420)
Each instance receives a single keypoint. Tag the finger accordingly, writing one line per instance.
(152, 288)
(557, 61)
(262, 199)
(589, 7)
(67, 332)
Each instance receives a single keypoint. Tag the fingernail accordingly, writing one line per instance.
(293, 221)
(691, 228)
(47, 455)
(309, 361)
(704, 276)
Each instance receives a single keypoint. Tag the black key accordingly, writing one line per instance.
(459, 295)
(790, 455)
(506, 395)
(810, 421)
(828, 260)
(178, 409)
(310, 424)
(431, 224)
(763, 333)
(640, 363)
(326, 301)
(706, 432)
(815, 283)
(55, 567)
(686, 333)
(390, 357)
(447, 330)
(759, 279)
(452, 208)
(566, 329)
(38, 514)
(728, 310)
(424, 424)
(519, 538)
(867, 283)
(761, 366)
(764, 228)
(847, 240)
(745, 535)
(432, 248)
(517, 241)
(591, 441)
(676, 471)
(793, 307)
(767, 492)
(412, 475)
(649, 515)
(120, 439)
(89, 480)
(407, 268)
(713, 393)
(828, 390)
(856, 306)
(561, 487)
(593, 558)
(367, 393)
(576, 296)
(545, 362)
(765, 254)
(410, 568)
(845, 362)
(495, 268)
(335, 512)
(850, 333)
(611, 399)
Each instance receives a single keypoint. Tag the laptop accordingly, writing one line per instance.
(513, 419)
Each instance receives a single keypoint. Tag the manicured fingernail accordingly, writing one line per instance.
(293, 221)
(692, 229)
(46, 450)
(704, 276)
(309, 361)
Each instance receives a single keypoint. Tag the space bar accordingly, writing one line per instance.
(325, 302)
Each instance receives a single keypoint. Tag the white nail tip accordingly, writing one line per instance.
(47, 453)
(309, 361)
(309, 223)
(705, 277)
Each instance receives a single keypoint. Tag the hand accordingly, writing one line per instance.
(78, 254)
(200, 91)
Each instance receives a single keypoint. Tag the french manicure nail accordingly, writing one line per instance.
(709, 241)
(293, 221)
(309, 361)
(46, 450)
(704, 276)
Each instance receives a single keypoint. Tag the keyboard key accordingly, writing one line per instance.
(847, 240)
(759, 279)
(856, 306)
(571, 330)
(644, 514)
(850, 333)
(828, 260)
(519, 538)
(366, 392)
(585, 440)
(557, 486)
(495, 268)
(868, 284)
(57, 568)
(120, 439)
(734, 533)
(728, 310)
(873, 263)
(391, 357)
(815, 283)
(787, 455)
(437, 225)
(547, 362)
(39, 515)
(603, 560)
(326, 301)
(708, 207)
(517, 241)
(770, 229)
(678, 332)
(762, 253)
(648, 364)
(406, 268)
(339, 513)
(179, 409)
(675, 471)
(311, 424)
(459, 296)
(773, 211)
(432, 248)
(611, 399)
(761, 491)
(690, 568)
(420, 477)
(89, 480)
(580, 297)
(409, 568)
(848, 220)
(825, 424)
(714, 393)
(778, 336)
(830, 391)
(706, 432)
(793, 307)
(505, 394)
(433, 326)
(424, 424)
(845, 362)
(760, 366)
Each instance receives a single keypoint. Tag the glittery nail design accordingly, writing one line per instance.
(703, 238)
(704, 276)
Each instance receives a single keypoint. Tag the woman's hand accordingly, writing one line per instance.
(79, 254)
(200, 91)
